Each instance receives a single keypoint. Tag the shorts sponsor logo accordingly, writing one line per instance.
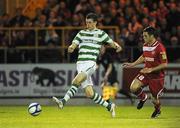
(149, 59)
(141, 77)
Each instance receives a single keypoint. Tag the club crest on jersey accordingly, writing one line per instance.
(141, 77)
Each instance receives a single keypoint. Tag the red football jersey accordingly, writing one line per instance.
(154, 55)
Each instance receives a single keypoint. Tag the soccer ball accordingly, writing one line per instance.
(34, 109)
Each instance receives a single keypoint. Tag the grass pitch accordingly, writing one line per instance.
(88, 117)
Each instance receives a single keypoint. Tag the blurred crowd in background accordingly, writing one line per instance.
(131, 17)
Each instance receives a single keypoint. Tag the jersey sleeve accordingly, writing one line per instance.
(162, 54)
(77, 39)
(105, 38)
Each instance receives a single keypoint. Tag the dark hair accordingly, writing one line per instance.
(92, 16)
(151, 31)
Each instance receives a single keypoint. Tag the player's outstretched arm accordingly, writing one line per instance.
(116, 46)
(72, 47)
(140, 60)
(154, 69)
(159, 67)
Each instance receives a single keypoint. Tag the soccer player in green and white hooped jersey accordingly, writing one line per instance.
(89, 41)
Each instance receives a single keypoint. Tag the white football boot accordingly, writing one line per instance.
(112, 110)
(58, 102)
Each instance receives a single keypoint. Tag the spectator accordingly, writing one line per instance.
(134, 25)
(63, 10)
(59, 23)
(80, 5)
(42, 32)
(52, 37)
(52, 18)
(19, 18)
(6, 19)
(38, 13)
(131, 40)
(173, 53)
(173, 16)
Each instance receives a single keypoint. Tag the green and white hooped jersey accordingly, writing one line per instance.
(90, 42)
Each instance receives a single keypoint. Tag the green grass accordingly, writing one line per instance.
(88, 117)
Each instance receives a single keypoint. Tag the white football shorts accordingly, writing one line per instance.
(88, 67)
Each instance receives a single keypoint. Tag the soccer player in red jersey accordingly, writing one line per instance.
(154, 57)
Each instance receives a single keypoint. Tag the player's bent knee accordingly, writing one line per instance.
(135, 85)
(132, 89)
(76, 82)
(89, 95)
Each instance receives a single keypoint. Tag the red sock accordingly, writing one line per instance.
(141, 95)
(157, 106)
